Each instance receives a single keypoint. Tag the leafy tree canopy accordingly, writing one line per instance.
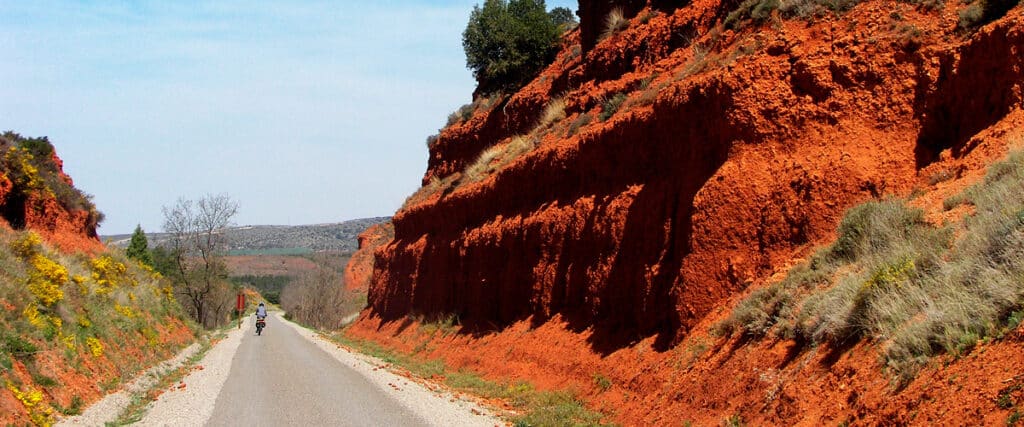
(508, 42)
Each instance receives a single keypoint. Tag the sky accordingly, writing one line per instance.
(302, 112)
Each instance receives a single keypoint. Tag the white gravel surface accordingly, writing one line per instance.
(110, 407)
(192, 405)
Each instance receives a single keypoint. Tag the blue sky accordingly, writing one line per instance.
(304, 112)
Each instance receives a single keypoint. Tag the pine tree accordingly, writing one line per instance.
(138, 248)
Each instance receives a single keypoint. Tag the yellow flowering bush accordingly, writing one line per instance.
(152, 338)
(95, 346)
(45, 279)
(70, 342)
(124, 311)
(31, 399)
(23, 172)
(45, 276)
(84, 321)
(166, 291)
(82, 282)
(27, 245)
(108, 273)
(33, 316)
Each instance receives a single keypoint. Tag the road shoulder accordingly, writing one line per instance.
(438, 407)
(193, 403)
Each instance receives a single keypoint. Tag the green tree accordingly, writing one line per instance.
(563, 17)
(508, 43)
(138, 247)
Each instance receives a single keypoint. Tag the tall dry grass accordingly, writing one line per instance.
(892, 278)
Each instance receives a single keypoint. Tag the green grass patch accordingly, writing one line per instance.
(74, 408)
(602, 382)
(536, 408)
(611, 105)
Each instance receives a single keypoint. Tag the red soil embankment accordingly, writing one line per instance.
(360, 267)
(612, 246)
(69, 230)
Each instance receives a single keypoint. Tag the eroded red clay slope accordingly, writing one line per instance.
(610, 249)
(70, 230)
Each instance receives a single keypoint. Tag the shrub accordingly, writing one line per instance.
(812, 8)
(896, 279)
(611, 105)
(463, 113)
(982, 12)
(602, 382)
(756, 10)
(508, 43)
(582, 120)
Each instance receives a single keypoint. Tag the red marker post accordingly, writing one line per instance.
(239, 306)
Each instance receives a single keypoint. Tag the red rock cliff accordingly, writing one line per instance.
(639, 219)
(35, 205)
(732, 152)
(360, 268)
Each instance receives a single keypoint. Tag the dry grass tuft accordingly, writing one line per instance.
(895, 279)
(614, 23)
(483, 165)
(554, 112)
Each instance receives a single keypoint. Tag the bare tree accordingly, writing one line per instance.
(197, 242)
(317, 299)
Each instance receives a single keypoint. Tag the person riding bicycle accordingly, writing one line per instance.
(261, 312)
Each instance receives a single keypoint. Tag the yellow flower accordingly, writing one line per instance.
(69, 342)
(31, 400)
(125, 311)
(80, 280)
(31, 313)
(27, 245)
(45, 279)
(108, 272)
(95, 346)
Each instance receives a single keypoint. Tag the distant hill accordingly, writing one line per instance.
(280, 239)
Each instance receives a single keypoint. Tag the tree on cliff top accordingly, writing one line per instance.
(138, 247)
(508, 43)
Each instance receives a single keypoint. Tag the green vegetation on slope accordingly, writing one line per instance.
(891, 277)
(87, 311)
(534, 407)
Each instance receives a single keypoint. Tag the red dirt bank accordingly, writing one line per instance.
(610, 250)
(71, 231)
(360, 267)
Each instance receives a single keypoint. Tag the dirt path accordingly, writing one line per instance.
(291, 376)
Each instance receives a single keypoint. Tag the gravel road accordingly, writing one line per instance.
(292, 376)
